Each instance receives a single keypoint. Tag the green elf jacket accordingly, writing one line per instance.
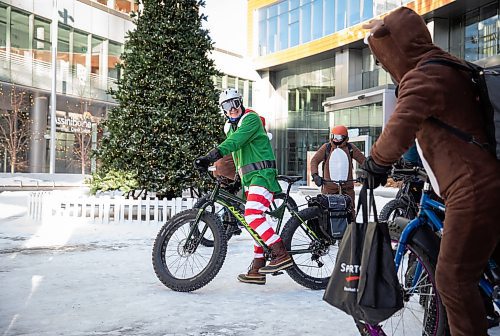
(249, 143)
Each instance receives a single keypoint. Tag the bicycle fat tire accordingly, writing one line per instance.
(179, 225)
(294, 238)
(395, 208)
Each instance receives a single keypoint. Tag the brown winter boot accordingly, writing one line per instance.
(253, 276)
(280, 259)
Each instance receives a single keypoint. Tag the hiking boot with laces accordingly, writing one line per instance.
(280, 259)
(253, 276)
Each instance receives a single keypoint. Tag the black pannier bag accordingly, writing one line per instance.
(336, 215)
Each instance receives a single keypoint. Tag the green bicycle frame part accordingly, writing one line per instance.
(226, 199)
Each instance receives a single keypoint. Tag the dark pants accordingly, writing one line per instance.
(471, 234)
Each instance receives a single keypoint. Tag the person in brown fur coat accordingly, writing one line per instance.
(465, 175)
(337, 163)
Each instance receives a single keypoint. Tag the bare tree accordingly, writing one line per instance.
(15, 126)
(82, 146)
(82, 149)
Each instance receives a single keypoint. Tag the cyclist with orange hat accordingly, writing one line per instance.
(337, 156)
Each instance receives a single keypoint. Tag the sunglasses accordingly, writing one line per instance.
(337, 137)
(228, 105)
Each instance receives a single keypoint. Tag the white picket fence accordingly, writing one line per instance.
(105, 209)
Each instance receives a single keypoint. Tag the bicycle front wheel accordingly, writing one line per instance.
(396, 208)
(314, 259)
(423, 312)
(184, 264)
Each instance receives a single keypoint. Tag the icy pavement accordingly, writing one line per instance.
(61, 277)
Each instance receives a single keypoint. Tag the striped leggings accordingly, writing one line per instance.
(258, 201)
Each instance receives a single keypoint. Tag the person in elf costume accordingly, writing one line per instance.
(255, 163)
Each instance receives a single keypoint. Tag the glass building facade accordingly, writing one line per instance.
(303, 124)
(474, 35)
(85, 71)
(347, 73)
(289, 23)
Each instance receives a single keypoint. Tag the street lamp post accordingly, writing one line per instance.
(53, 94)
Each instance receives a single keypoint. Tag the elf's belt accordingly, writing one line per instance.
(257, 166)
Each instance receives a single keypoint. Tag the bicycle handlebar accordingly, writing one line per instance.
(415, 171)
(340, 181)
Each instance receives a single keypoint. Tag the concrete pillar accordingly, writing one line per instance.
(439, 30)
(38, 145)
(348, 64)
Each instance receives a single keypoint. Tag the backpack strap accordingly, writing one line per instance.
(470, 67)
(327, 151)
(349, 146)
(458, 133)
(475, 71)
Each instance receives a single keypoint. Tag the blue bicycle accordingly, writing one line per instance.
(416, 255)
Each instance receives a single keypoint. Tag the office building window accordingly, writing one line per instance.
(305, 21)
(354, 12)
(19, 33)
(114, 52)
(288, 23)
(329, 13)
(368, 119)
(272, 29)
(97, 55)
(317, 19)
(283, 25)
(41, 40)
(80, 47)
(475, 35)
(294, 25)
(3, 28)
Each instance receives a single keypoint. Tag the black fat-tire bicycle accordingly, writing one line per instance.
(230, 223)
(183, 263)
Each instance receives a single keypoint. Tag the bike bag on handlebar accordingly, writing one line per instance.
(336, 213)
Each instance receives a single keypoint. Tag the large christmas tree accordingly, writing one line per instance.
(168, 112)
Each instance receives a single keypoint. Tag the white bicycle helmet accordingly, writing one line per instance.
(228, 99)
(229, 94)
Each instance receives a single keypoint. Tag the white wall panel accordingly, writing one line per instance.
(99, 22)
(25, 4)
(116, 28)
(83, 16)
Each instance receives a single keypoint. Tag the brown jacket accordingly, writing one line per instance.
(467, 177)
(403, 44)
(332, 188)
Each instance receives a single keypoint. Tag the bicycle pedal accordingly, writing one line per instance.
(277, 273)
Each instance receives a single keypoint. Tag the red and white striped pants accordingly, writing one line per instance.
(258, 201)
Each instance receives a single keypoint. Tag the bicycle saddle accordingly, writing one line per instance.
(289, 179)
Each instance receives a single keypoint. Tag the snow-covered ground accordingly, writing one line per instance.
(61, 277)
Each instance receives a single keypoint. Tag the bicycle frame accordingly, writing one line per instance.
(427, 216)
(226, 199)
